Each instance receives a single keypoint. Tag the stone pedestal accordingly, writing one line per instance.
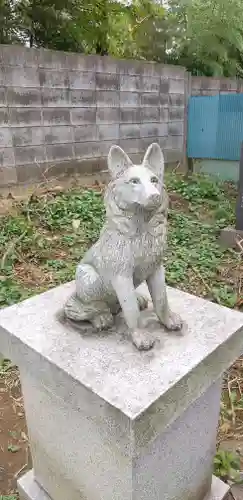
(229, 236)
(107, 422)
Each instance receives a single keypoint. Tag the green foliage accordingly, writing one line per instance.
(206, 38)
(8, 497)
(227, 466)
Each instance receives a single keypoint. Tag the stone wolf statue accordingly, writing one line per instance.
(129, 251)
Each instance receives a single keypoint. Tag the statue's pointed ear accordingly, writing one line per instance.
(118, 161)
(154, 159)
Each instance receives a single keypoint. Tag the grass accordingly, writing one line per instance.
(43, 238)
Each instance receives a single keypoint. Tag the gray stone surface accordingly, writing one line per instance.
(30, 490)
(229, 236)
(218, 491)
(106, 421)
(212, 332)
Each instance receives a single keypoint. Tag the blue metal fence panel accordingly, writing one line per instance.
(215, 126)
(202, 126)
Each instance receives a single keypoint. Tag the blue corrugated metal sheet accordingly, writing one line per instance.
(215, 127)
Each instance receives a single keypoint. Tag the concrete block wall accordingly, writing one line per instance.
(61, 112)
(203, 85)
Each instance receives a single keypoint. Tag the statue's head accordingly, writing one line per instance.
(137, 186)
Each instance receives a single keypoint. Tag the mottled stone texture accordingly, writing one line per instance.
(65, 109)
(109, 423)
(203, 85)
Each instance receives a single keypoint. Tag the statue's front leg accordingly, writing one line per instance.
(127, 298)
(157, 289)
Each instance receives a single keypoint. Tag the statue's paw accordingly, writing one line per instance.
(142, 340)
(142, 301)
(173, 321)
(103, 321)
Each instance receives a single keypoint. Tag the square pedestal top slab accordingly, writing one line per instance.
(109, 365)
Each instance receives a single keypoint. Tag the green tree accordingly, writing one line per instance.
(8, 32)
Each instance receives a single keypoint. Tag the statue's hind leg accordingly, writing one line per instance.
(87, 303)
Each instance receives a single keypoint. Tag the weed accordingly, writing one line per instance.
(227, 466)
(8, 497)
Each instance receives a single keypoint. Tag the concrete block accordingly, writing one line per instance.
(53, 78)
(229, 237)
(27, 136)
(8, 176)
(153, 129)
(176, 86)
(82, 80)
(176, 113)
(168, 71)
(164, 114)
(3, 116)
(146, 141)
(150, 114)
(18, 55)
(52, 59)
(164, 85)
(3, 96)
(81, 116)
(21, 76)
(20, 97)
(107, 115)
(108, 132)
(107, 81)
(55, 97)
(130, 67)
(229, 84)
(130, 131)
(175, 142)
(81, 62)
(130, 115)
(150, 68)
(150, 99)
(176, 128)
(135, 415)
(24, 116)
(83, 98)
(130, 83)
(164, 100)
(5, 137)
(56, 116)
(150, 84)
(94, 149)
(85, 133)
(176, 100)
(29, 154)
(59, 151)
(2, 76)
(107, 98)
(105, 64)
(172, 156)
(131, 145)
(58, 134)
(129, 99)
(6, 157)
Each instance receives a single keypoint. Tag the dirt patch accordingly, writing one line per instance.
(15, 456)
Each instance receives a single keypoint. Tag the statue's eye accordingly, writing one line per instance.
(154, 180)
(135, 180)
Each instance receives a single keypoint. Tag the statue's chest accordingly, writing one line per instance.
(147, 248)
